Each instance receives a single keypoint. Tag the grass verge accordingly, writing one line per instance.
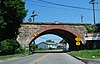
(3, 57)
(92, 54)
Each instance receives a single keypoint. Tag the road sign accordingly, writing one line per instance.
(35, 34)
(78, 43)
(78, 39)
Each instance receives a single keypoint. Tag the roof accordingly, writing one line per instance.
(48, 43)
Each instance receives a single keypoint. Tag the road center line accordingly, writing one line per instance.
(39, 59)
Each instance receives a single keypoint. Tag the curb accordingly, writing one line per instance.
(79, 58)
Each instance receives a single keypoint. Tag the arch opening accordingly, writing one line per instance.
(51, 42)
(47, 37)
(63, 33)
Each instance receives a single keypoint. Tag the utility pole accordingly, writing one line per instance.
(82, 18)
(33, 15)
(93, 2)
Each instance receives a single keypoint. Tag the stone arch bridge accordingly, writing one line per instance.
(29, 31)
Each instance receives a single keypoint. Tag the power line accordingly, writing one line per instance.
(45, 6)
(67, 5)
(35, 3)
(61, 5)
(42, 5)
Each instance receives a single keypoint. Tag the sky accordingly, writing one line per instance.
(62, 11)
(43, 38)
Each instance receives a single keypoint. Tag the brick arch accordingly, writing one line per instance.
(38, 32)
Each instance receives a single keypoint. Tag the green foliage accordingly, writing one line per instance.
(90, 29)
(8, 46)
(12, 13)
(33, 47)
(86, 53)
(2, 23)
(30, 20)
(51, 48)
(13, 10)
(40, 49)
(21, 50)
(49, 41)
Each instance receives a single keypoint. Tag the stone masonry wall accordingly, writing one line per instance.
(28, 29)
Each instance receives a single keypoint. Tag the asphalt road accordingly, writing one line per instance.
(44, 58)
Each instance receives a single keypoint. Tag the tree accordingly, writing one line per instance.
(49, 41)
(2, 24)
(12, 15)
(30, 20)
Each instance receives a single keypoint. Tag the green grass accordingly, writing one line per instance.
(43, 50)
(93, 54)
(39, 50)
(11, 56)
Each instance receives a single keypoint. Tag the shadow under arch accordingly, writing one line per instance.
(66, 33)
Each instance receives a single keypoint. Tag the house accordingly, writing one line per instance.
(46, 45)
(63, 44)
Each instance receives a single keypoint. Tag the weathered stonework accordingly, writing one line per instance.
(28, 30)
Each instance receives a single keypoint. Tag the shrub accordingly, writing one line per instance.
(32, 47)
(8, 46)
(51, 48)
(23, 50)
(20, 50)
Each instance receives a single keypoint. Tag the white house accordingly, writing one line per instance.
(47, 45)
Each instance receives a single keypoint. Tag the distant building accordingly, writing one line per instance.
(46, 45)
(63, 44)
(60, 45)
(92, 36)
